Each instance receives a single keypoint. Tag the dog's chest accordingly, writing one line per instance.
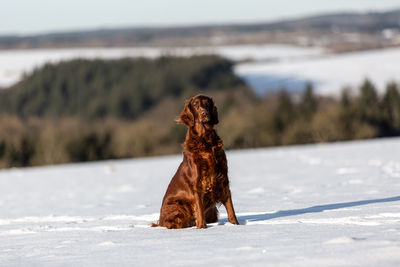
(212, 167)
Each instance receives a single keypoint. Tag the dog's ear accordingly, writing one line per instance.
(214, 113)
(186, 116)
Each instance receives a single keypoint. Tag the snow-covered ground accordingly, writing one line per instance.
(315, 205)
(14, 63)
(271, 68)
(329, 73)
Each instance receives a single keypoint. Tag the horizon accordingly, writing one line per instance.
(217, 17)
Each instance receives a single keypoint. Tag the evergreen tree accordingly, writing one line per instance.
(309, 103)
(345, 98)
(346, 115)
(368, 103)
(391, 107)
(285, 112)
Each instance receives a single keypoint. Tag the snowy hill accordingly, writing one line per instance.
(329, 73)
(15, 63)
(315, 205)
(272, 66)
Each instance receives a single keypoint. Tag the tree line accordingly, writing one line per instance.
(284, 119)
(86, 110)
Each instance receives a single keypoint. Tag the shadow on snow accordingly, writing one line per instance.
(320, 208)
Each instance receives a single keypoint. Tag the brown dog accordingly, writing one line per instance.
(201, 181)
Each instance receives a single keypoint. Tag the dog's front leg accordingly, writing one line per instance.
(199, 211)
(230, 210)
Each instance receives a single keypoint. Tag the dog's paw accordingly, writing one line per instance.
(202, 226)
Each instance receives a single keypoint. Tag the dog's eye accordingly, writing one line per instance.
(196, 104)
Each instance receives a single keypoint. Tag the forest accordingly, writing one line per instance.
(85, 110)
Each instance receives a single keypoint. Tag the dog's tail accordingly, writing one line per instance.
(154, 224)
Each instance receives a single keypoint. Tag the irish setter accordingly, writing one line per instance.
(201, 181)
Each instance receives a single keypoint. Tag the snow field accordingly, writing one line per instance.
(332, 205)
(14, 63)
(329, 74)
(272, 66)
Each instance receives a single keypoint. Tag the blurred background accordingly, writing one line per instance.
(94, 80)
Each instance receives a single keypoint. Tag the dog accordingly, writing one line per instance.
(201, 181)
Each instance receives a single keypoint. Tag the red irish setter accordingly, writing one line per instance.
(201, 181)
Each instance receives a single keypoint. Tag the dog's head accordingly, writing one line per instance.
(200, 109)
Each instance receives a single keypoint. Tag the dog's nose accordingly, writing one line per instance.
(203, 113)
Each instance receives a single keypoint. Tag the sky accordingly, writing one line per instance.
(25, 17)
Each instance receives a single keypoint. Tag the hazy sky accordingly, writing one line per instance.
(40, 16)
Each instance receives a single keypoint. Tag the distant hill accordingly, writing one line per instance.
(123, 88)
(361, 22)
(191, 35)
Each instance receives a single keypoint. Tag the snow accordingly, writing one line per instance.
(328, 73)
(271, 67)
(331, 205)
(14, 63)
(269, 53)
